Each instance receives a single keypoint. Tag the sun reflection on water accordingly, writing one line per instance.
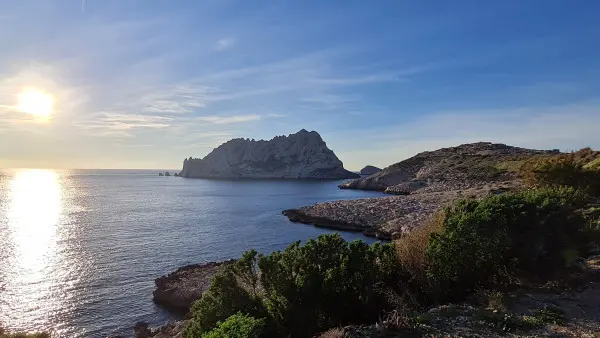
(33, 210)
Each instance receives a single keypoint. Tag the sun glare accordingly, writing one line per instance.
(35, 103)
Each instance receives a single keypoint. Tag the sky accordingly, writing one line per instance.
(147, 83)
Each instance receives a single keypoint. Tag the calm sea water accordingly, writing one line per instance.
(79, 250)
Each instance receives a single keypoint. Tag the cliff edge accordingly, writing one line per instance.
(303, 155)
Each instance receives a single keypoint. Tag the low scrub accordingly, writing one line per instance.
(237, 326)
(304, 289)
(328, 282)
(580, 170)
(503, 238)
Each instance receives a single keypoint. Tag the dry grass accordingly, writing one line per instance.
(412, 248)
(22, 335)
(332, 333)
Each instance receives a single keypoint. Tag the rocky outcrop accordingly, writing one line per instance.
(386, 216)
(474, 164)
(369, 170)
(161, 174)
(325, 221)
(303, 155)
(428, 181)
(178, 290)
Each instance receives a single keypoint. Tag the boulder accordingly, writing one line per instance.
(178, 290)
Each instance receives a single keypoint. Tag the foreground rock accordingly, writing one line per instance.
(369, 170)
(169, 330)
(178, 290)
(473, 164)
(302, 155)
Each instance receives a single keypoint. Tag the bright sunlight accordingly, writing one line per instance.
(35, 102)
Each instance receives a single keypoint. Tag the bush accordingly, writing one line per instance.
(304, 289)
(237, 326)
(504, 237)
(577, 170)
(223, 299)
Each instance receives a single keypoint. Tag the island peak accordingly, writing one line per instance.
(303, 155)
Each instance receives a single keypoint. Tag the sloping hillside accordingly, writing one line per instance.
(463, 167)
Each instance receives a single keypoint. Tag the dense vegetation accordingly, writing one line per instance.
(531, 236)
(299, 291)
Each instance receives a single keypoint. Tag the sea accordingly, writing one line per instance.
(80, 249)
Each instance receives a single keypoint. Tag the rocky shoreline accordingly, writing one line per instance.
(178, 290)
(389, 217)
(299, 216)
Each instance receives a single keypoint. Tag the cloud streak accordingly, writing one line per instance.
(224, 44)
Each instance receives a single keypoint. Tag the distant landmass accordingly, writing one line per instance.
(369, 170)
(303, 155)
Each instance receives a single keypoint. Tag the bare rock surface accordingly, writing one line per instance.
(303, 155)
(178, 290)
(473, 164)
(428, 181)
(369, 170)
(388, 215)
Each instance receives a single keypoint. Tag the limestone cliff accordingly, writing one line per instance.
(303, 155)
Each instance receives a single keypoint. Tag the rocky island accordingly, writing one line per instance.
(303, 155)
(426, 181)
(369, 170)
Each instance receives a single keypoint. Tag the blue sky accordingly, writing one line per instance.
(144, 84)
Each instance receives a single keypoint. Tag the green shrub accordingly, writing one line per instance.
(224, 298)
(237, 326)
(577, 170)
(304, 289)
(325, 283)
(504, 237)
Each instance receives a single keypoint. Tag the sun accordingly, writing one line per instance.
(35, 102)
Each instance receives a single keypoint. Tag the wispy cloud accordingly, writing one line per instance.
(224, 44)
(228, 119)
(542, 127)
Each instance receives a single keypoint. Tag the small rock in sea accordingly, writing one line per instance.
(167, 173)
(161, 174)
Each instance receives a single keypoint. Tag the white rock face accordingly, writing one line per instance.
(302, 155)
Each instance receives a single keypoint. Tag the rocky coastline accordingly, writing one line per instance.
(178, 290)
(300, 216)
